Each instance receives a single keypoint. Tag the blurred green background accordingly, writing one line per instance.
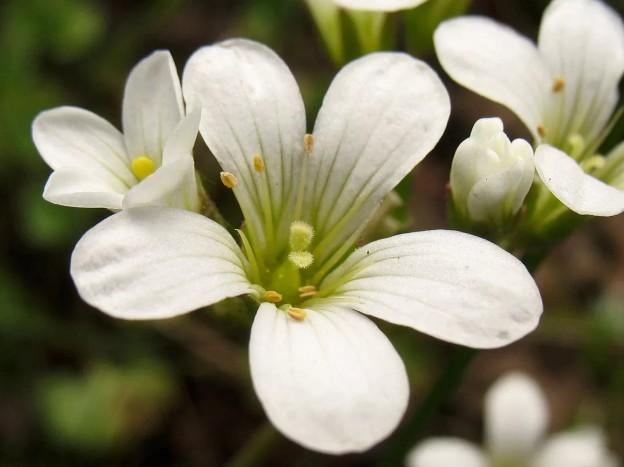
(79, 388)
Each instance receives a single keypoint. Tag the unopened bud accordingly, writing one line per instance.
(490, 176)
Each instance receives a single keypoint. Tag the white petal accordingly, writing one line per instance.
(149, 263)
(77, 138)
(172, 185)
(332, 382)
(583, 43)
(181, 141)
(379, 5)
(451, 285)
(446, 452)
(579, 191)
(382, 115)
(251, 105)
(493, 60)
(581, 448)
(152, 105)
(498, 195)
(516, 417)
(83, 189)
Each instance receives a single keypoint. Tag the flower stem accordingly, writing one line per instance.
(256, 449)
(446, 384)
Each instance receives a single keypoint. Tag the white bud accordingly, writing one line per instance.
(490, 176)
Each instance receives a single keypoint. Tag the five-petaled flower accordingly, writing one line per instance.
(95, 166)
(564, 90)
(325, 374)
(516, 420)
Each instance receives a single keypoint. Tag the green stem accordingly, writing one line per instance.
(256, 449)
(446, 384)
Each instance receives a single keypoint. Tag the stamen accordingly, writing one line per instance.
(558, 85)
(301, 234)
(307, 291)
(541, 131)
(272, 296)
(258, 163)
(575, 146)
(142, 167)
(228, 179)
(593, 163)
(308, 143)
(297, 314)
(301, 259)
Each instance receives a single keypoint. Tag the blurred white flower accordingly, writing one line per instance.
(378, 5)
(516, 421)
(324, 373)
(150, 164)
(564, 90)
(490, 176)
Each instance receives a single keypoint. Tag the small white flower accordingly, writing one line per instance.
(516, 421)
(378, 5)
(325, 374)
(564, 90)
(490, 176)
(150, 164)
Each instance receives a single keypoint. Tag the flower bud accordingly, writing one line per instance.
(490, 176)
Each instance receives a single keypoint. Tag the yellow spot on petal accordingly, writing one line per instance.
(558, 85)
(272, 296)
(297, 314)
(258, 163)
(308, 143)
(228, 179)
(541, 131)
(142, 167)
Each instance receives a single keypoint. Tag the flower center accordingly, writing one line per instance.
(142, 167)
(282, 269)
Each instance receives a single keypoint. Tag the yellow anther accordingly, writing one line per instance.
(301, 259)
(142, 167)
(558, 85)
(297, 314)
(272, 296)
(258, 163)
(308, 143)
(307, 291)
(541, 131)
(301, 235)
(228, 179)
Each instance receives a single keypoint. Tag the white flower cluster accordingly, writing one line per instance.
(564, 90)
(516, 421)
(324, 373)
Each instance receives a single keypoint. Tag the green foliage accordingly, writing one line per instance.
(109, 407)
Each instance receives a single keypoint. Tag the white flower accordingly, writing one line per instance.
(324, 373)
(564, 90)
(150, 164)
(378, 5)
(490, 176)
(516, 420)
